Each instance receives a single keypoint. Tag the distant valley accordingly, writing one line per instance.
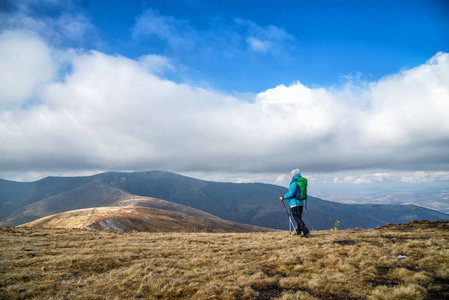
(161, 192)
(433, 196)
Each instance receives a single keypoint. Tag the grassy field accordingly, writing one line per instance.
(348, 264)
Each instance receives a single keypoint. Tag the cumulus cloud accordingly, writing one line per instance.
(114, 113)
(25, 65)
(412, 106)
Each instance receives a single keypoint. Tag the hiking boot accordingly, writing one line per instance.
(306, 234)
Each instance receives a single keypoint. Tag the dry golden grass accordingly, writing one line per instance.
(147, 219)
(348, 264)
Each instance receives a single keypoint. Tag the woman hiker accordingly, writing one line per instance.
(296, 205)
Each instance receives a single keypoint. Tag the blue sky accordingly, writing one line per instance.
(317, 42)
(314, 42)
(351, 92)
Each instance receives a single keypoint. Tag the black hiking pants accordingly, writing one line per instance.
(297, 215)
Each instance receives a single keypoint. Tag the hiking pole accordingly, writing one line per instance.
(285, 208)
(291, 227)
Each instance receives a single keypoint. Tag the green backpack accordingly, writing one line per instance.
(301, 194)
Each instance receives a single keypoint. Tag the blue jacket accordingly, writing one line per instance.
(290, 196)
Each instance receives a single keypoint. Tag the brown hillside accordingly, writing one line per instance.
(140, 201)
(93, 195)
(127, 218)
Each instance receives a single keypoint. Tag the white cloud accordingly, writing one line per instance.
(72, 26)
(410, 107)
(157, 63)
(364, 178)
(114, 113)
(66, 27)
(423, 176)
(263, 39)
(25, 65)
(222, 39)
(177, 33)
(414, 177)
(259, 45)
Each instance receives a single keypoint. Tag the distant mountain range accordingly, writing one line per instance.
(254, 204)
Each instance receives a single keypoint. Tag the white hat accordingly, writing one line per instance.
(295, 171)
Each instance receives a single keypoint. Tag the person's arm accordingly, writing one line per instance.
(291, 192)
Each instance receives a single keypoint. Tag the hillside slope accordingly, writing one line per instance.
(94, 194)
(250, 203)
(89, 194)
(15, 195)
(139, 219)
(258, 204)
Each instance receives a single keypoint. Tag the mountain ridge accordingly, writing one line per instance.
(249, 203)
(125, 218)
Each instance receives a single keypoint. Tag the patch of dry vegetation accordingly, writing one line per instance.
(356, 264)
(129, 218)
